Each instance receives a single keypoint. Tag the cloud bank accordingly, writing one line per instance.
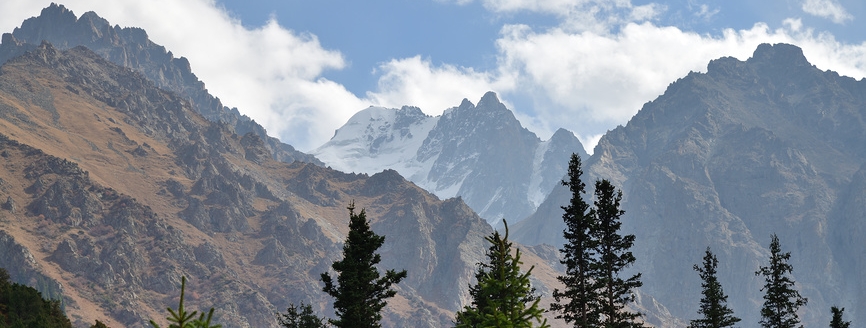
(591, 71)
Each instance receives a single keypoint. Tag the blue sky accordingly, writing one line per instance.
(302, 68)
(371, 32)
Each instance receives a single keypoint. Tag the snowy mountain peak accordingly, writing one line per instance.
(376, 138)
(481, 153)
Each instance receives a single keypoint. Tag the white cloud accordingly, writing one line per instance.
(646, 12)
(793, 24)
(590, 140)
(582, 15)
(704, 12)
(577, 15)
(415, 81)
(829, 9)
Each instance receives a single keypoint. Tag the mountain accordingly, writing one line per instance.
(112, 189)
(725, 159)
(479, 153)
(130, 47)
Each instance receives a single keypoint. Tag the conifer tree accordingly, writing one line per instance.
(613, 257)
(837, 321)
(181, 318)
(360, 292)
(300, 317)
(781, 300)
(714, 308)
(502, 296)
(578, 302)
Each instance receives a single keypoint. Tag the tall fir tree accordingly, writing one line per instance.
(578, 302)
(781, 299)
(714, 308)
(360, 292)
(502, 296)
(837, 321)
(613, 257)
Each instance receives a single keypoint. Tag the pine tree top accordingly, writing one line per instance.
(360, 292)
(713, 306)
(781, 298)
(503, 295)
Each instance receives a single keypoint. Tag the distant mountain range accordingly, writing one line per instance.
(479, 153)
(725, 159)
(119, 176)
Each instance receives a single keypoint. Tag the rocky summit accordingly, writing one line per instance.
(725, 159)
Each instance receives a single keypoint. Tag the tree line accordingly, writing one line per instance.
(596, 289)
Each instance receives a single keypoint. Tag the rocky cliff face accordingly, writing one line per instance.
(480, 153)
(725, 159)
(130, 47)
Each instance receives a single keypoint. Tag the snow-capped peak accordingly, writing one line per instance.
(376, 138)
(481, 153)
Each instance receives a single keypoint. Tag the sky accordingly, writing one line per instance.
(302, 68)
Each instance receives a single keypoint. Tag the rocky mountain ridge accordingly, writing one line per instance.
(479, 153)
(111, 189)
(130, 47)
(725, 159)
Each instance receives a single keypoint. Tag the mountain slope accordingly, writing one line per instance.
(480, 153)
(130, 47)
(725, 159)
(114, 189)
